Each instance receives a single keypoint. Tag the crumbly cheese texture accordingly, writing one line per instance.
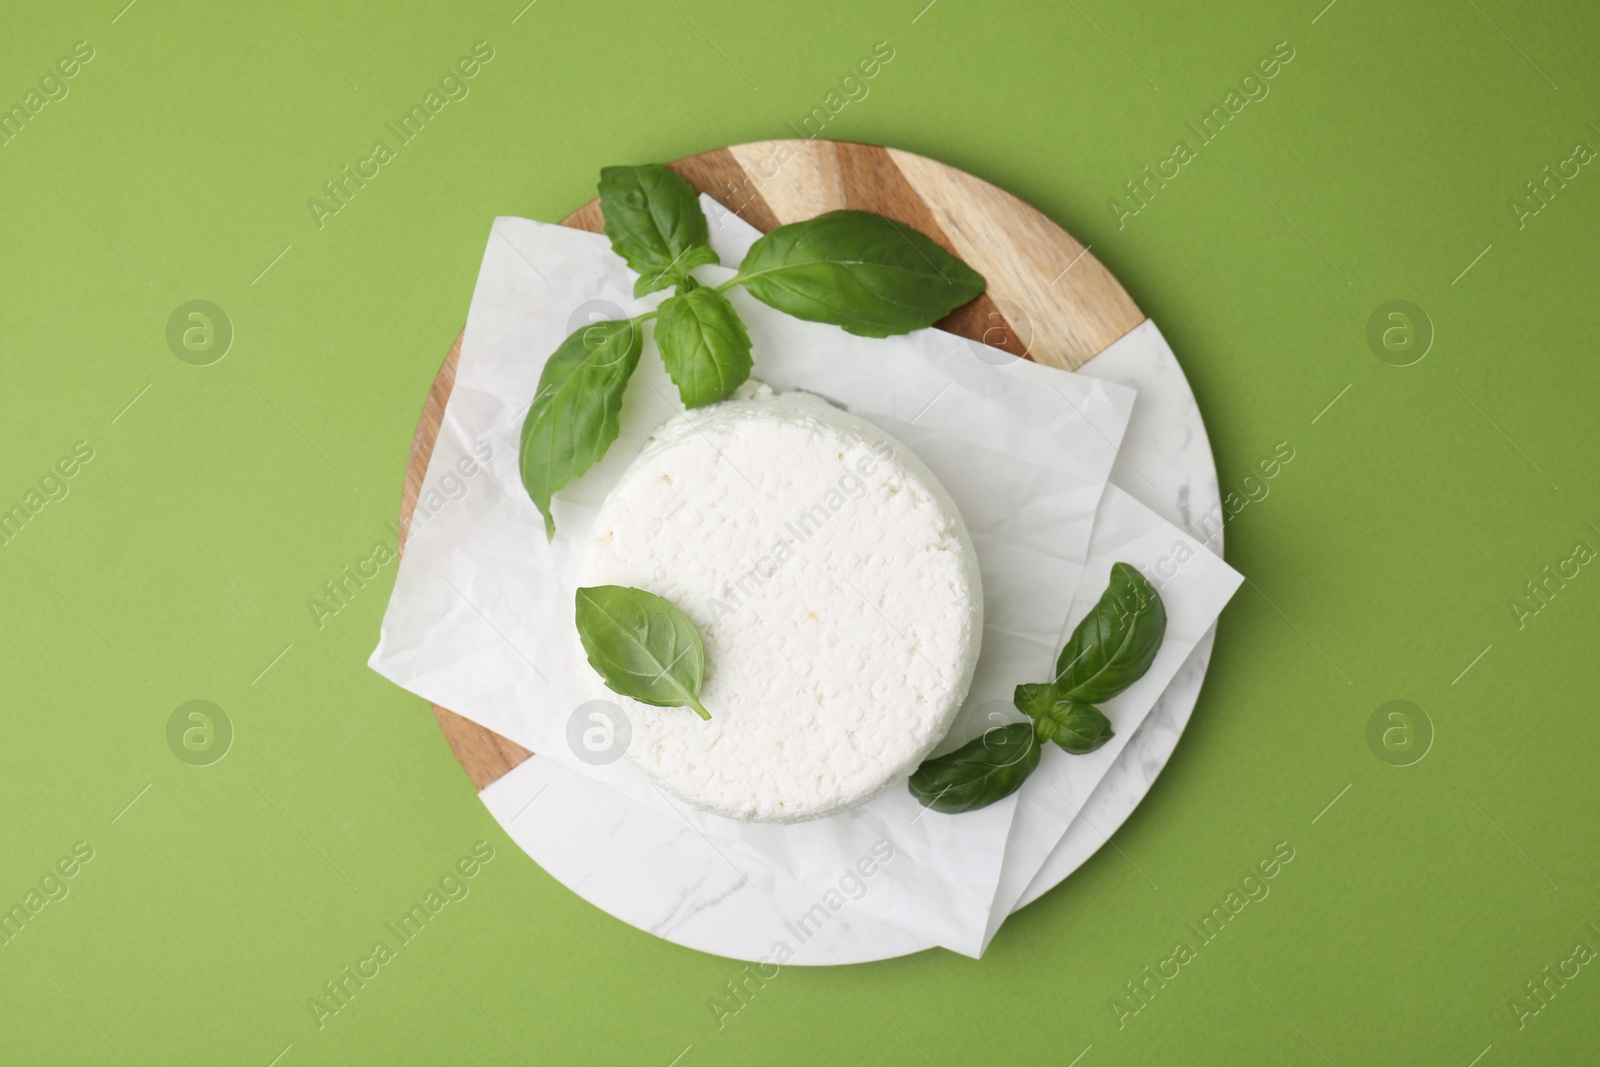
(836, 589)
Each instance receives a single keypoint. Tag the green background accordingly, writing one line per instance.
(1382, 563)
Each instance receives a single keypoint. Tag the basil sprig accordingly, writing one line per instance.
(865, 273)
(642, 646)
(1108, 651)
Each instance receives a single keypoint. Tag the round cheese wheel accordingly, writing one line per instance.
(836, 589)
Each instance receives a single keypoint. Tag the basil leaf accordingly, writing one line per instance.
(1115, 643)
(1077, 728)
(978, 773)
(704, 345)
(642, 646)
(575, 414)
(871, 275)
(1034, 699)
(654, 221)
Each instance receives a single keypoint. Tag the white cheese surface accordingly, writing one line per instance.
(836, 589)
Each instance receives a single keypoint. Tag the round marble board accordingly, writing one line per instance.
(1048, 300)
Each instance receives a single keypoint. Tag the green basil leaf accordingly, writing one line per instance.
(654, 221)
(1115, 643)
(1077, 728)
(642, 646)
(704, 345)
(871, 275)
(575, 414)
(980, 772)
(1034, 699)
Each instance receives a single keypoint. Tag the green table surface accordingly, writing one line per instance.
(1390, 158)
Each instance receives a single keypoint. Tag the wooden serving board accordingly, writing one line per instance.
(1048, 299)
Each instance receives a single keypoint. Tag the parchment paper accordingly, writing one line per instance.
(1195, 585)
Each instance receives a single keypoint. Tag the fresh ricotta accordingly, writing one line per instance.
(835, 586)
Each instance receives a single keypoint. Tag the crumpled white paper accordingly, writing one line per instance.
(1195, 585)
(480, 619)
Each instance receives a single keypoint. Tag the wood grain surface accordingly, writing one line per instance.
(1048, 298)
